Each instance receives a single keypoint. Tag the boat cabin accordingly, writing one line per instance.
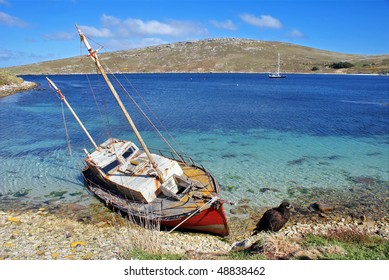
(129, 171)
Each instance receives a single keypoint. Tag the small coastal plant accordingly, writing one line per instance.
(357, 245)
(340, 65)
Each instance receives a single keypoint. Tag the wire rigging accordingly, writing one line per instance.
(140, 110)
(69, 148)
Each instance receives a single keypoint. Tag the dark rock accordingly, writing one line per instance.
(364, 180)
(322, 215)
(296, 161)
(322, 207)
(302, 211)
(241, 245)
(262, 190)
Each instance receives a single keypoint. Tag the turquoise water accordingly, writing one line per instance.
(252, 132)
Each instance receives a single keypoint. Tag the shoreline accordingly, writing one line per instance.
(213, 72)
(7, 90)
(54, 228)
(41, 235)
(62, 230)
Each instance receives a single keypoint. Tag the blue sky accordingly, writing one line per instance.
(39, 30)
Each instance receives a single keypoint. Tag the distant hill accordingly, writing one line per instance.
(217, 55)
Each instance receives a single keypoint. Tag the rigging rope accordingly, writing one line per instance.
(66, 131)
(195, 212)
(155, 116)
(69, 148)
(144, 114)
(141, 111)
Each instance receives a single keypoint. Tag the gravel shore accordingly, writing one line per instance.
(37, 234)
(42, 234)
(6, 90)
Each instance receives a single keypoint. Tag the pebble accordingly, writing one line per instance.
(14, 219)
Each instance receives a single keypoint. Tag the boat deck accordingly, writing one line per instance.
(203, 188)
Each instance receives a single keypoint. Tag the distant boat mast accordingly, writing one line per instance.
(278, 64)
(277, 74)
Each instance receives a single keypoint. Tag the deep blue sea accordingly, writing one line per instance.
(252, 132)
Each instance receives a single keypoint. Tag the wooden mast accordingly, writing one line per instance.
(93, 55)
(71, 110)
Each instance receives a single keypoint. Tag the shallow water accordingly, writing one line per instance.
(259, 136)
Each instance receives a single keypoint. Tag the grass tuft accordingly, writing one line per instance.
(356, 245)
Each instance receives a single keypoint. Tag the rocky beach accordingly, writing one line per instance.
(58, 230)
(10, 84)
(6, 90)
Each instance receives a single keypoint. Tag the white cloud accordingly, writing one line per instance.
(109, 21)
(95, 32)
(134, 26)
(12, 57)
(4, 2)
(60, 36)
(8, 55)
(152, 27)
(133, 44)
(264, 21)
(228, 24)
(12, 21)
(117, 33)
(296, 34)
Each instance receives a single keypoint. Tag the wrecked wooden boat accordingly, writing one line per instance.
(171, 190)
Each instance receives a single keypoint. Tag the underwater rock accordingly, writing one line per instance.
(262, 190)
(244, 201)
(297, 190)
(335, 157)
(230, 188)
(76, 194)
(56, 194)
(21, 193)
(296, 161)
(364, 180)
(227, 156)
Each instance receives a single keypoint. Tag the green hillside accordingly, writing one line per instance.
(217, 55)
(6, 79)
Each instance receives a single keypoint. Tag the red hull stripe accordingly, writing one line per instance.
(210, 220)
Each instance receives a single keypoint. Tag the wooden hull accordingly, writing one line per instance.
(210, 219)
